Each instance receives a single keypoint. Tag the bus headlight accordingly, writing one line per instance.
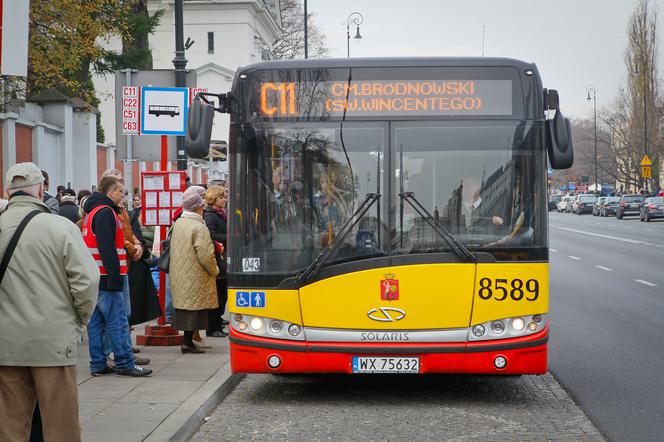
(294, 330)
(276, 327)
(507, 327)
(498, 327)
(266, 327)
(518, 324)
(479, 330)
(256, 323)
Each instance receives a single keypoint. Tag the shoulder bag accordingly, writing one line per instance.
(165, 255)
(13, 241)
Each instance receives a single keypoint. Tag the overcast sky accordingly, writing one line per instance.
(573, 42)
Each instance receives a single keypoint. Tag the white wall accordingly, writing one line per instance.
(85, 135)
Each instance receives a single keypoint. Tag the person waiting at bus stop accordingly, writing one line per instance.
(103, 234)
(215, 219)
(193, 270)
(46, 297)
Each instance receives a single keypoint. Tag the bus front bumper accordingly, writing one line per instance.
(523, 355)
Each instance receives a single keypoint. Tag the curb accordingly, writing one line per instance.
(187, 419)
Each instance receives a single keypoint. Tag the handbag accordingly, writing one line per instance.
(13, 241)
(165, 255)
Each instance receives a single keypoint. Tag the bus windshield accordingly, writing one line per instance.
(297, 185)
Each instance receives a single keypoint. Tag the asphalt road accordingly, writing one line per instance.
(607, 318)
(398, 408)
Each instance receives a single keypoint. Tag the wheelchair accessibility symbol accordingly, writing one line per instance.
(250, 299)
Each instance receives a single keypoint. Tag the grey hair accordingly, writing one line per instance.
(30, 190)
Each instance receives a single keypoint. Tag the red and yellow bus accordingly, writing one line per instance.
(389, 215)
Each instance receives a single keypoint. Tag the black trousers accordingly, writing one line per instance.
(214, 315)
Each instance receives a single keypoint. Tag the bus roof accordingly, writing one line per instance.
(391, 62)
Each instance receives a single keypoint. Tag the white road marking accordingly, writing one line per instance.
(615, 238)
(553, 250)
(606, 269)
(574, 257)
(649, 284)
(648, 230)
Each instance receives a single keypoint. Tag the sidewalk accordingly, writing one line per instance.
(169, 405)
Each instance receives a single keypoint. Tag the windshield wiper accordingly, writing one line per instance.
(325, 254)
(461, 251)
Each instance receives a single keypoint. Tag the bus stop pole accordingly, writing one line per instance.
(162, 236)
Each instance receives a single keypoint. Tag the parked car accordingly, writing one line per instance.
(652, 208)
(564, 202)
(609, 205)
(629, 205)
(553, 201)
(598, 204)
(583, 204)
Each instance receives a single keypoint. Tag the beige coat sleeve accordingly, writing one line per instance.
(82, 273)
(205, 250)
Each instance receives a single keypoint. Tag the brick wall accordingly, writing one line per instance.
(23, 144)
(101, 162)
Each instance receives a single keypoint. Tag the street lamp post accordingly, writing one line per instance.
(591, 88)
(645, 116)
(357, 19)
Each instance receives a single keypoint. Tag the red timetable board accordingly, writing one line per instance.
(161, 193)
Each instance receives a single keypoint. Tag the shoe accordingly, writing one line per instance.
(187, 349)
(217, 334)
(110, 362)
(135, 350)
(224, 322)
(202, 344)
(141, 361)
(104, 371)
(134, 372)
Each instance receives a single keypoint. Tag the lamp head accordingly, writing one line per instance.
(357, 33)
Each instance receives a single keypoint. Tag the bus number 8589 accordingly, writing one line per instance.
(516, 289)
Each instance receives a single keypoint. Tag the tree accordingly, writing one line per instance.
(66, 40)
(67, 44)
(136, 51)
(291, 43)
(641, 101)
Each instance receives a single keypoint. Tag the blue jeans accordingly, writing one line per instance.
(109, 316)
(127, 305)
(169, 302)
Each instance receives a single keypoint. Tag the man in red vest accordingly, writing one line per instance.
(102, 233)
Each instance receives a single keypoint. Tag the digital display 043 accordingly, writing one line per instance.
(386, 98)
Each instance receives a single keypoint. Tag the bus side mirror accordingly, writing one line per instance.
(559, 142)
(199, 129)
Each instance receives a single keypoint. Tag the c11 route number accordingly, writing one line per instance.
(501, 289)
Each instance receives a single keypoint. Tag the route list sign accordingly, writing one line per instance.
(130, 110)
(162, 196)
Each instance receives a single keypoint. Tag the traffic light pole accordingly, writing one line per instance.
(180, 64)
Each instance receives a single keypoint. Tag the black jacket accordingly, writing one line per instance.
(104, 227)
(69, 210)
(217, 226)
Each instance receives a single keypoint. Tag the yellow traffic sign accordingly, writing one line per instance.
(645, 161)
(646, 171)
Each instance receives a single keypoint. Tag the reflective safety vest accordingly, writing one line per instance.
(90, 240)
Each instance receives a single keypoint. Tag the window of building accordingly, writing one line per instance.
(210, 42)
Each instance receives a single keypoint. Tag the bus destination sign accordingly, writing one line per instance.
(385, 98)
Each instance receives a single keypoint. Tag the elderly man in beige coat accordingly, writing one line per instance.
(47, 296)
(193, 270)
